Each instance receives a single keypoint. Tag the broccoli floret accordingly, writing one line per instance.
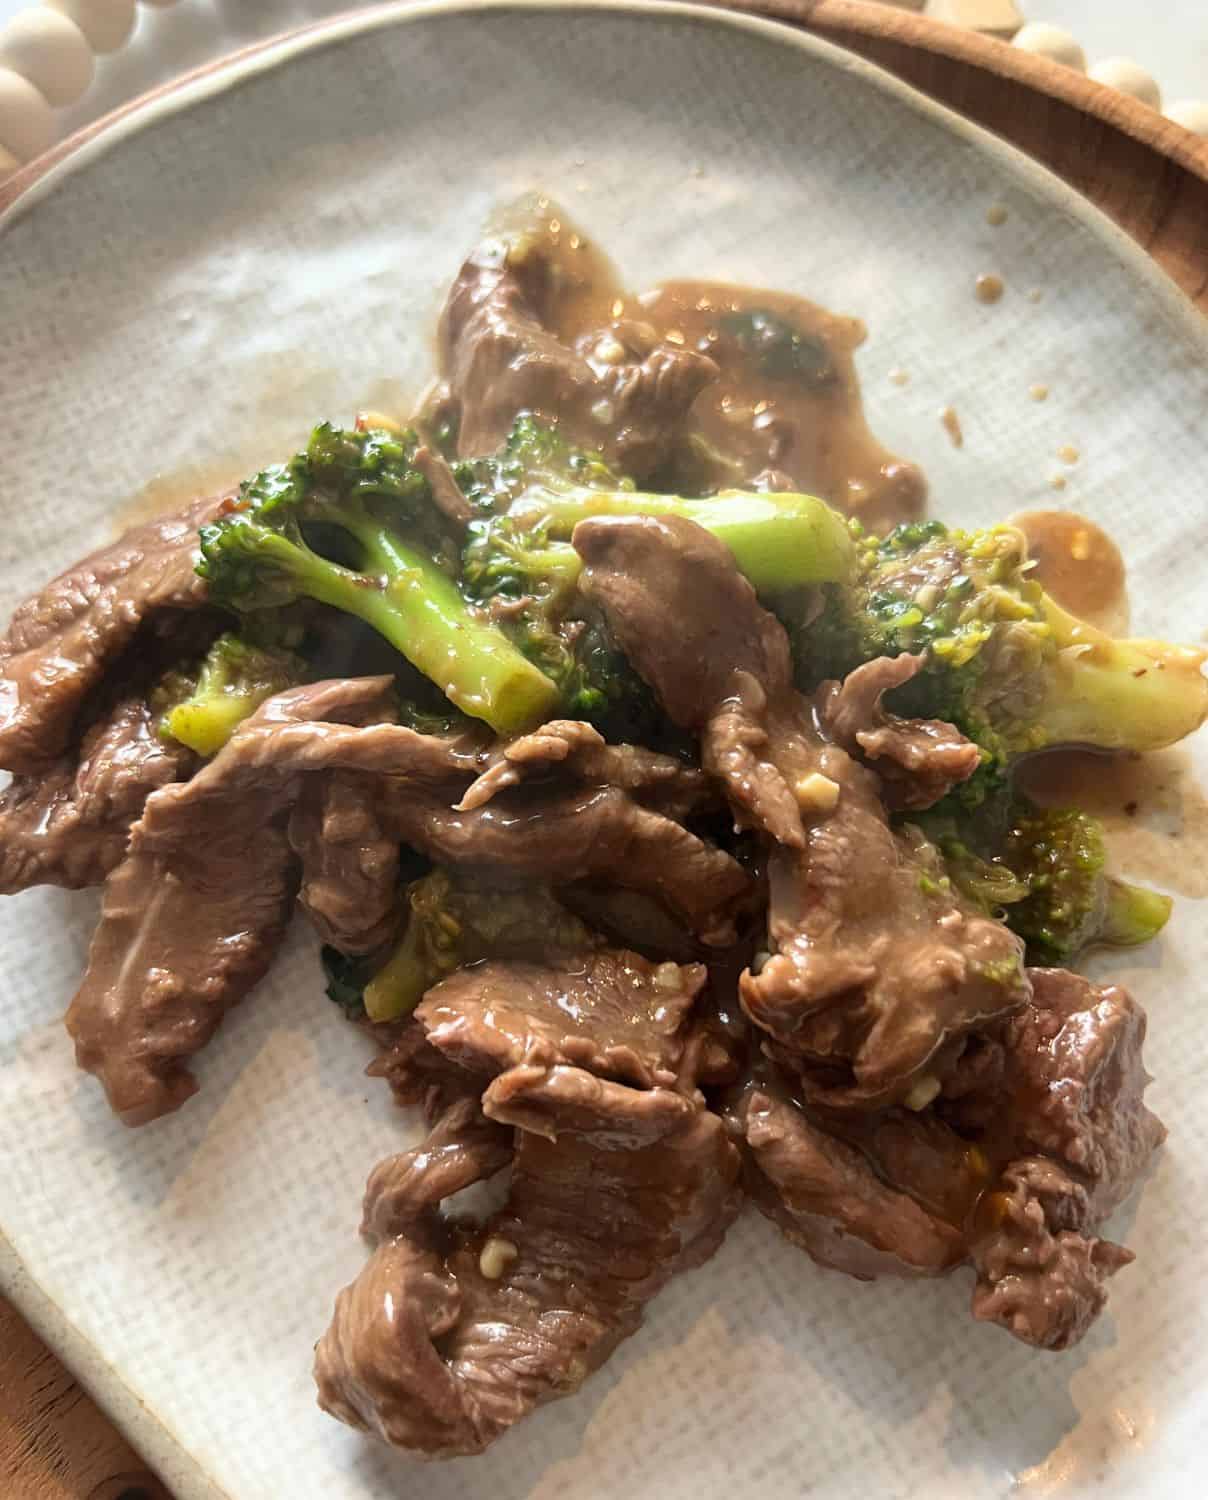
(350, 523)
(1044, 872)
(456, 919)
(234, 679)
(1004, 662)
(519, 560)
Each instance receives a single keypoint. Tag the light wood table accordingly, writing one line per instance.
(1148, 174)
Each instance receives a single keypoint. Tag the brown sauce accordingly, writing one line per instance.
(951, 424)
(989, 289)
(807, 427)
(1153, 810)
(997, 215)
(802, 428)
(165, 493)
(1079, 564)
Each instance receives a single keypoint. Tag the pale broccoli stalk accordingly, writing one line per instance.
(1118, 695)
(780, 541)
(356, 493)
(235, 678)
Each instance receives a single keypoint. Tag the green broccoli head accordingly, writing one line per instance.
(351, 524)
(1003, 661)
(235, 677)
(1044, 872)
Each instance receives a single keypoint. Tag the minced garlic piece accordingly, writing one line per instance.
(497, 1255)
(817, 793)
(923, 1092)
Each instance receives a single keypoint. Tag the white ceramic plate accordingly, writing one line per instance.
(183, 299)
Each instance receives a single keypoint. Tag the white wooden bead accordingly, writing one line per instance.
(1191, 114)
(1129, 77)
(106, 23)
(998, 17)
(50, 51)
(27, 122)
(1051, 42)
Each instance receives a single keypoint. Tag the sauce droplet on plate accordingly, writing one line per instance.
(1039, 392)
(996, 214)
(989, 288)
(1078, 564)
(952, 426)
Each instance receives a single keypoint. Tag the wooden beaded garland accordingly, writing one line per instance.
(27, 122)
(51, 52)
(106, 24)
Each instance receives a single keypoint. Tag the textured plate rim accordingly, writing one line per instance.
(153, 1438)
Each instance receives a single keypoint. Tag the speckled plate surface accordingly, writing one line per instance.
(179, 302)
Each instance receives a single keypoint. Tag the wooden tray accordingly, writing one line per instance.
(1146, 172)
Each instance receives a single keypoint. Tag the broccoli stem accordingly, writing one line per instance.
(1132, 915)
(1119, 695)
(779, 541)
(406, 598)
(399, 985)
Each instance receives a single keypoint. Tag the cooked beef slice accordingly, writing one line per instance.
(558, 836)
(876, 970)
(1076, 1135)
(918, 760)
(417, 1074)
(500, 357)
(579, 749)
(61, 642)
(1038, 1275)
(453, 1332)
(194, 914)
(829, 1200)
(350, 863)
(612, 1013)
(68, 825)
(462, 1148)
(446, 492)
(1076, 1081)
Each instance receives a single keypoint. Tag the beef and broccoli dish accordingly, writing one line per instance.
(646, 763)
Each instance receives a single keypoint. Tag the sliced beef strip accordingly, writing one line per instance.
(193, 916)
(68, 826)
(1039, 1276)
(613, 1013)
(918, 760)
(446, 492)
(350, 862)
(453, 1333)
(598, 832)
(61, 642)
(416, 1073)
(570, 745)
(500, 357)
(827, 1199)
(1076, 1135)
(1076, 1081)
(462, 1148)
(876, 970)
